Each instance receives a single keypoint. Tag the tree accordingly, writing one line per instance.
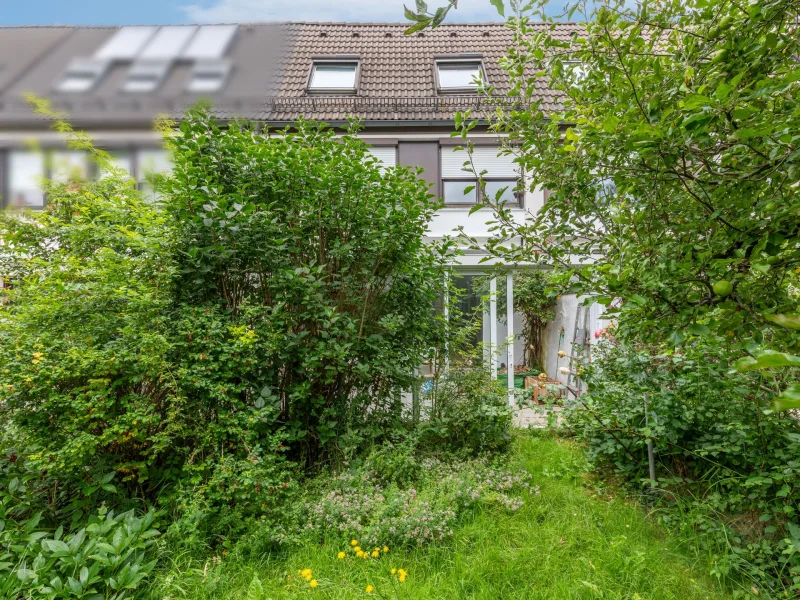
(672, 165)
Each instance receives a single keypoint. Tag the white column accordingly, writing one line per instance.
(493, 325)
(446, 319)
(510, 322)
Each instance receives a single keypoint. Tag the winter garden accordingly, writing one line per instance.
(217, 395)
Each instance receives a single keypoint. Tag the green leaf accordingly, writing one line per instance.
(498, 4)
(767, 359)
(676, 338)
(699, 330)
(788, 400)
(256, 590)
(790, 321)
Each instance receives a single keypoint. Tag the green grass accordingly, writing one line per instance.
(566, 543)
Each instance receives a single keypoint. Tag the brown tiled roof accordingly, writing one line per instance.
(271, 63)
(396, 70)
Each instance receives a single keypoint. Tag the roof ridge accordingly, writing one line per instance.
(273, 23)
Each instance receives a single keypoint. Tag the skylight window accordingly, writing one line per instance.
(208, 76)
(333, 76)
(145, 77)
(460, 75)
(82, 75)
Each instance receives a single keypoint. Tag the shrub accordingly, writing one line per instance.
(727, 466)
(300, 247)
(270, 308)
(467, 410)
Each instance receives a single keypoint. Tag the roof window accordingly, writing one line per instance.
(82, 75)
(208, 76)
(145, 76)
(335, 75)
(459, 74)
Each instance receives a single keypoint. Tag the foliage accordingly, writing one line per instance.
(467, 410)
(270, 308)
(84, 334)
(533, 298)
(309, 258)
(672, 164)
(106, 558)
(423, 508)
(727, 467)
(584, 543)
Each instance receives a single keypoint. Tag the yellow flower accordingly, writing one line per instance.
(313, 583)
(365, 555)
(370, 589)
(354, 542)
(357, 549)
(561, 353)
(340, 555)
(385, 549)
(375, 554)
(306, 573)
(402, 578)
(394, 571)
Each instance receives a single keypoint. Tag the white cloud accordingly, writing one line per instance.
(251, 11)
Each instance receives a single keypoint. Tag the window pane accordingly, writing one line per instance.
(334, 76)
(26, 170)
(458, 75)
(150, 163)
(121, 160)
(454, 192)
(493, 187)
(69, 166)
(205, 82)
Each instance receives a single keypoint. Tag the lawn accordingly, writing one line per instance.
(564, 543)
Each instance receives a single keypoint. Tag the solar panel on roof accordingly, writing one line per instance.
(125, 44)
(210, 42)
(168, 42)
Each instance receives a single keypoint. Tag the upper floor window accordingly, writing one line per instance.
(458, 75)
(460, 186)
(333, 76)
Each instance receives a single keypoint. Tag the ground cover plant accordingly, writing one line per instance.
(565, 541)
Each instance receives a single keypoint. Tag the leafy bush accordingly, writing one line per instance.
(467, 410)
(299, 249)
(270, 309)
(105, 559)
(225, 503)
(728, 467)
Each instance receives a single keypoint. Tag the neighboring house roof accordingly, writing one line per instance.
(268, 80)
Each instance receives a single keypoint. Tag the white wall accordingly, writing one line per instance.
(566, 312)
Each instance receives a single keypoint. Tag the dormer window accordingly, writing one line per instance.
(459, 75)
(333, 76)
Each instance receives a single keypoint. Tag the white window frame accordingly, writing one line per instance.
(474, 60)
(334, 61)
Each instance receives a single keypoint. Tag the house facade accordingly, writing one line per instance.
(114, 81)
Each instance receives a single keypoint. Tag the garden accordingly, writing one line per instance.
(206, 396)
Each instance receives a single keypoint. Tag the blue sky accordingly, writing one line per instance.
(131, 12)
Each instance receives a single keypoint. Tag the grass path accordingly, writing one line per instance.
(564, 544)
